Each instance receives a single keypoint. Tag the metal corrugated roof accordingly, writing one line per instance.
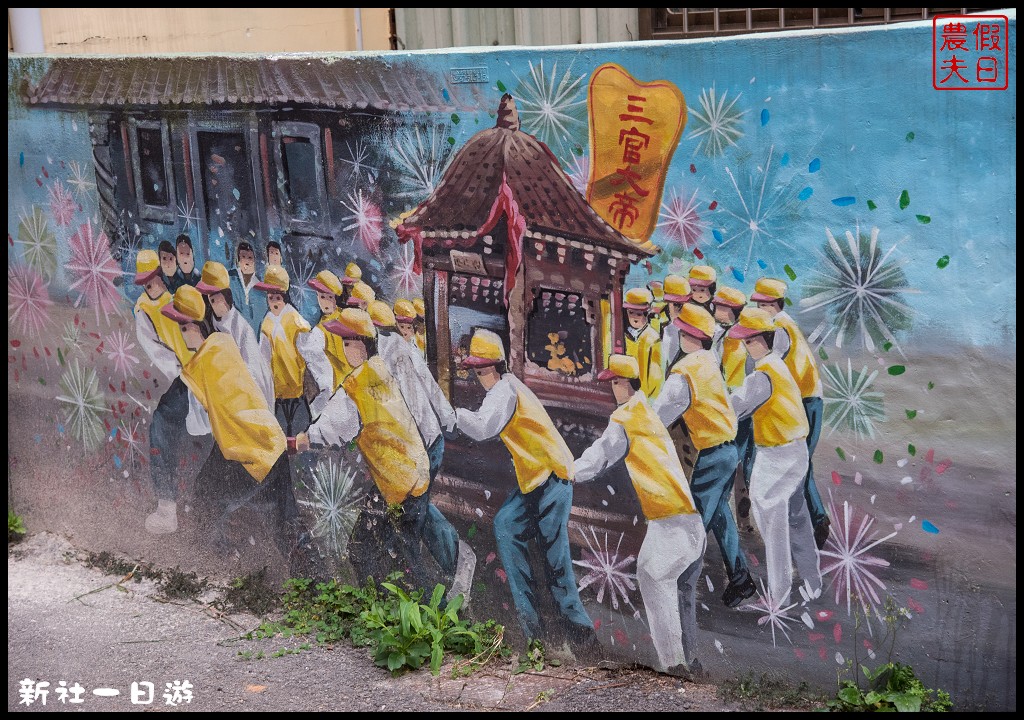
(219, 81)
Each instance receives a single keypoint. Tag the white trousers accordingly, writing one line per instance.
(777, 500)
(667, 569)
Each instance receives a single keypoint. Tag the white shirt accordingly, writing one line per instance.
(245, 338)
(497, 409)
(670, 345)
(673, 400)
(338, 423)
(752, 394)
(310, 346)
(162, 357)
(717, 342)
(607, 450)
(426, 402)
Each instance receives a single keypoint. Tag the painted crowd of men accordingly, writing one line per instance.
(243, 365)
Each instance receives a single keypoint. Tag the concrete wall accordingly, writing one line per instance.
(825, 159)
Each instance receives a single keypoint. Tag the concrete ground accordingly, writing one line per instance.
(70, 622)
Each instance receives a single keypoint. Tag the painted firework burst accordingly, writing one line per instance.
(119, 352)
(861, 288)
(578, 170)
(607, 569)
(300, 272)
(717, 123)
(334, 502)
(845, 557)
(772, 613)
(129, 434)
(407, 281)
(95, 270)
(679, 219)
(28, 300)
(83, 402)
(37, 242)
(62, 203)
(421, 155)
(127, 241)
(760, 214)
(358, 160)
(80, 181)
(71, 336)
(188, 216)
(366, 219)
(849, 400)
(553, 108)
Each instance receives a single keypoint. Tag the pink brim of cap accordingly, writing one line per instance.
(176, 316)
(348, 281)
(403, 318)
(319, 286)
(474, 362)
(143, 278)
(701, 283)
(340, 329)
(677, 298)
(606, 375)
(208, 289)
(631, 306)
(690, 329)
(267, 287)
(354, 302)
(758, 297)
(738, 332)
(727, 304)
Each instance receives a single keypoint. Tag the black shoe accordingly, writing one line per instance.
(821, 531)
(737, 592)
(693, 673)
(743, 509)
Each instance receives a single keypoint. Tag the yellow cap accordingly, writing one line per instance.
(147, 264)
(485, 348)
(352, 323)
(274, 280)
(677, 289)
(214, 278)
(768, 290)
(326, 282)
(730, 297)
(657, 289)
(421, 308)
(637, 299)
(381, 314)
(696, 322)
(405, 311)
(623, 366)
(352, 274)
(752, 321)
(361, 292)
(702, 275)
(188, 306)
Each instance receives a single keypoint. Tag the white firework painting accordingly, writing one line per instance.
(760, 215)
(846, 559)
(94, 269)
(849, 400)
(861, 289)
(553, 107)
(421, 155)
(80, 182)
(578, 171)
(679, 220)
(366, 219)
(607, 569)
(83, 404)
(28, 300)
(300, 272)
(71, 336)
(188, 216)
(717, 123)
(334, 500)
(129, 434)
(407, 281)
(359, 159)
(62, 203)
(119, 352)
(36, 241)
(772, 613)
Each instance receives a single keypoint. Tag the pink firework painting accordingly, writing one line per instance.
(94, 269)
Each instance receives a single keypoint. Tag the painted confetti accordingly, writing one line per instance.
(923, 219)
(904, 200)
(897, 369)
(878, 457)
(929, 527)
(844, 201)
(790, 273)
(872, 205)
(941, 264)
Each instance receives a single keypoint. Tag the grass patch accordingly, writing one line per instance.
(769, 692)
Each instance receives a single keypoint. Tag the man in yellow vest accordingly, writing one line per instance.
(642, 341)
(215, 284)
(248, 464)
(538, 508)
(695, 393)
(370, 409)
(792, 347)
(360, 295)
(161, 340)
(405, 317)
(292, 350)
(329, 292)
(728, 304)
(703, 282)
(771, 396)
(672, 554)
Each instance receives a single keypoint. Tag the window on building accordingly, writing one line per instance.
(301, 188)
(473, 302)
(560, 337)
(151, 164)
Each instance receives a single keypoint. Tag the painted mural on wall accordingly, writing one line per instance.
(692, 354)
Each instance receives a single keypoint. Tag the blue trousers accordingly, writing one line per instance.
(711, 482)
(543, 516)
(167, 437)
(440, 537)
(813, 406)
